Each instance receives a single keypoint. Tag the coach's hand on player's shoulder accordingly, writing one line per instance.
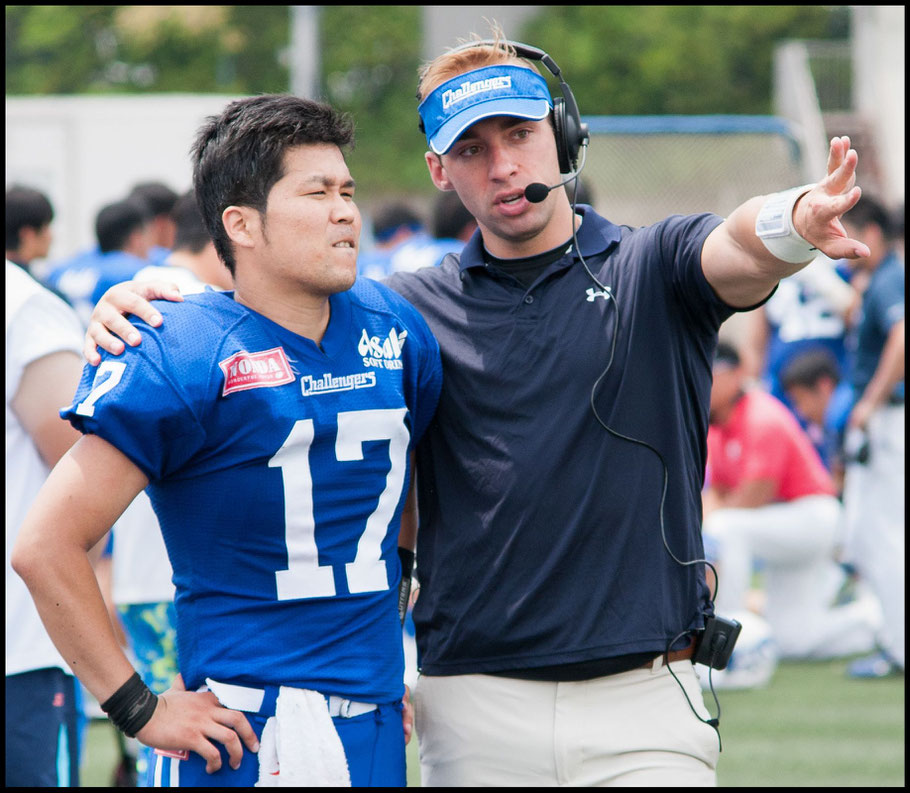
(817, 214)
(108, 320)
(193, 720)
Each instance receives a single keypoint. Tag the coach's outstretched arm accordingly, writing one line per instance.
(85, 493)
(743, 267)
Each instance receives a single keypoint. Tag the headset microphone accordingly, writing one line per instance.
(538, 191)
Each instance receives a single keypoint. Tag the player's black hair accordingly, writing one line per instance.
(450, 216)
(868, 210)
(158, 197)
(115, 223)
(191, 234)
(26, 207)
(239, 155)
(807, 368)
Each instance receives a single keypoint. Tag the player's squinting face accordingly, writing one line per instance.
(311, 227)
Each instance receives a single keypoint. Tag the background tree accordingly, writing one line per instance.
(618, 59)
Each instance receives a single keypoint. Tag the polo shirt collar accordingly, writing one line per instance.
(596, 235)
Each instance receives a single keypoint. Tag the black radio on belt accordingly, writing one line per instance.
(714, 645)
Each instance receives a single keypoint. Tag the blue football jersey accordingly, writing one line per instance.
(278, 470)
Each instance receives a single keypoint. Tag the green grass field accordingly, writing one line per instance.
(812, 727)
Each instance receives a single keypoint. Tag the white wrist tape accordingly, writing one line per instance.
(774, 227)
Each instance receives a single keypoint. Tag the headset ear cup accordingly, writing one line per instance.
(573, 140)
(559, 124)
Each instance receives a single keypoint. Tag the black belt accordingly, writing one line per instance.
(601, 667)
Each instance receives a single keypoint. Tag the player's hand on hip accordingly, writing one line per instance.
(108, 323)
(196, 721)
(817, 214)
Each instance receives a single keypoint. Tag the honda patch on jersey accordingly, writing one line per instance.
(245, 370)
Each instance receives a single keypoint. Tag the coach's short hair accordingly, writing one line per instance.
(115, 223)
(26, 207)
(239, 155)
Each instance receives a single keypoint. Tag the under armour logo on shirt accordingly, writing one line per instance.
(595, 293)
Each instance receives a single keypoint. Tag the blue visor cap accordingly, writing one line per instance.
(464, 100)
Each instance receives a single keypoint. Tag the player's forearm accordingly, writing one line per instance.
(82, 497)
(63, 585)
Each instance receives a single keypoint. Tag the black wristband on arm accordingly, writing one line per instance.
(406, 557)
(131, 706)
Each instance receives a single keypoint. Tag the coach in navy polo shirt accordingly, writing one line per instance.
(559, 484)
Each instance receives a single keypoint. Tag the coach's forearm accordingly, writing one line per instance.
(739, 267)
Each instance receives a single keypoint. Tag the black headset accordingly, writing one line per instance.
(571, 134)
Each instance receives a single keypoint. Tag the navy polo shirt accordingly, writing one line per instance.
(540, 538)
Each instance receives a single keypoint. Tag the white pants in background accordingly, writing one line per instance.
(795, 543)
(875, 521)
(629, 729)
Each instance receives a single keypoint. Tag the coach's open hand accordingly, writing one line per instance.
(817, 214)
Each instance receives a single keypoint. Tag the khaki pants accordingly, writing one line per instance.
(630, 729)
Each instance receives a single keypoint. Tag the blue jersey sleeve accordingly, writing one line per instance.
(140, 404)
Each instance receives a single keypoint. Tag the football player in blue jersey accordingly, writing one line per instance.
(272, 427)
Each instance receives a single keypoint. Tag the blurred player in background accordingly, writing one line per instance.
(875, 481)
(122, 233)
(822, 398)
(553, 608)
(402, 243)
(273, 427)
(771, 500)
(159, 200)
(451, 223)
(193, 263)
(28, 225)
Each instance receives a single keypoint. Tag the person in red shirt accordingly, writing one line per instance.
(770, 499)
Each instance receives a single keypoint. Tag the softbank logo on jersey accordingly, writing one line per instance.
(382, 353)
(245, 370)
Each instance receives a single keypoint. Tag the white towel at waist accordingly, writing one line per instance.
(300, 746)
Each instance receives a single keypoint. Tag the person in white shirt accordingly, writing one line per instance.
(43, 366)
